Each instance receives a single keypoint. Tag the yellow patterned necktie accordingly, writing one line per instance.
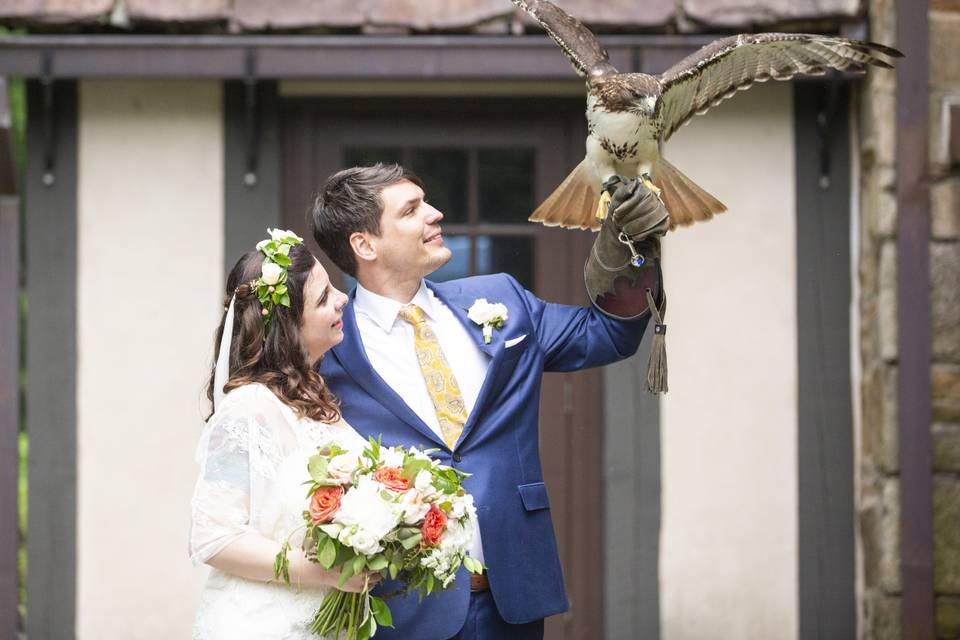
(441, 383)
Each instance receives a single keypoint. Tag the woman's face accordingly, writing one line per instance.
(321, 326)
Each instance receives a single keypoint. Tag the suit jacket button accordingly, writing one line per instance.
(457, 457)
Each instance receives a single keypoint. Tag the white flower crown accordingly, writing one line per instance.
(271, 286)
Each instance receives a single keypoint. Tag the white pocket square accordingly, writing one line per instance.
(514, 341)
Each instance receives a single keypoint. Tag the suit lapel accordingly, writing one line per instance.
(452, 295)
(354, 361)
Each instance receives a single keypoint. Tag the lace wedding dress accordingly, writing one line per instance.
(253, 455)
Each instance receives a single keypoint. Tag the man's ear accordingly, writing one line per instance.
(363, 245)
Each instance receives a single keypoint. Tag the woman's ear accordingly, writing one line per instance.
(363, 245)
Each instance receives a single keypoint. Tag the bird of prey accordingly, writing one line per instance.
(631, 115)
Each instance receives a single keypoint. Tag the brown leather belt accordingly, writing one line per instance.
(479, 582)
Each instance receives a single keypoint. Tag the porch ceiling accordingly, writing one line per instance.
(411, 16)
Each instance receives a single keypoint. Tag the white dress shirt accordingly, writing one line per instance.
(389, 345)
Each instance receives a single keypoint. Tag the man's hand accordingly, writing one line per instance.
(635, 209)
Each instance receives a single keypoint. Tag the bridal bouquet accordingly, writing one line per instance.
(388, 510)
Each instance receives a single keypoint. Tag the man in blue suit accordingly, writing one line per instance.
(414, 368)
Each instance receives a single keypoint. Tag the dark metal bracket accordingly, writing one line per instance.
(49, 120)
(826, 116)
(251, 119)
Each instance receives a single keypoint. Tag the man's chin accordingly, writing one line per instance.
(440, 256)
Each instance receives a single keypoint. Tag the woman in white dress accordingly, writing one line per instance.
(271, 412)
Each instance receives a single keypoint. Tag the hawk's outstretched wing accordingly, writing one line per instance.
(717, 71)
(586, 54)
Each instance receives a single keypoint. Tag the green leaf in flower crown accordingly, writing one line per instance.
(280, 288)
(282, 260)
(285, 300)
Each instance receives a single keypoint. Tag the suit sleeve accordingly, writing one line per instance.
(574, 337)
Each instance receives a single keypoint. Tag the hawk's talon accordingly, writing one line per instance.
(603, 205)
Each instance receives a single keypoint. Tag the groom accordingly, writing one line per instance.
(481, 407)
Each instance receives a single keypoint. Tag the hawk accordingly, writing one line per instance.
(631, 115)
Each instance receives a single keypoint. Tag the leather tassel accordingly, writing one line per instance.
(657, 367)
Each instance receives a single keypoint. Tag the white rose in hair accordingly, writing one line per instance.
(279, 235)
(271, 273)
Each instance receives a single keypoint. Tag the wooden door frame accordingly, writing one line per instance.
(572, 402)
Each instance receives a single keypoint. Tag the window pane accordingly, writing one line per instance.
(506, 185)
(513, 255)
(444, 175)
(365, 156)
(459, 264)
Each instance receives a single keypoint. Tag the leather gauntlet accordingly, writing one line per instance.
(622, 273)
(625, 259)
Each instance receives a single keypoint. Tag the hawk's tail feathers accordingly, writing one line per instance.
(686, 202)
(573, 204)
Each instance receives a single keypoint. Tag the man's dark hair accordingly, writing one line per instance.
(349, 202)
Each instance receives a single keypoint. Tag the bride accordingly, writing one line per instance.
(271, 412)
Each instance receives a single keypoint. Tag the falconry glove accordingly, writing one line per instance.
(622, 273)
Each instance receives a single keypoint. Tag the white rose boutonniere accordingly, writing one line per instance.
(489, 315)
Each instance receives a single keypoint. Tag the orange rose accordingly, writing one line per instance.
(433, 524)
(324, 503)
(390, 478)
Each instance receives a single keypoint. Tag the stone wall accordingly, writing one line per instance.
(879, 500)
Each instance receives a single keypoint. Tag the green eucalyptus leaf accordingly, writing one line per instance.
(381, 612)
(412, 541)
(328, 553)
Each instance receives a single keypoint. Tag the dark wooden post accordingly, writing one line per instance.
(9, 365)
(913, 322)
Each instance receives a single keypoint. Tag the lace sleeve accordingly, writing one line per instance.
(220, 509)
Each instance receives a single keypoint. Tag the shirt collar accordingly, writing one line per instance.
(383, 311)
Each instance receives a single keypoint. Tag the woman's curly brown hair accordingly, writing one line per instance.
(277, 360)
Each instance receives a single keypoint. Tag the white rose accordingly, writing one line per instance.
(423, 484)
(262, 244)
(391, 457)
(341, 467)
(279, 235)
(270, 273)
(362, 506)
(360, 540)
(498, 310)
(480, 311)
(461, 506)
(456, 536)
(414, 508)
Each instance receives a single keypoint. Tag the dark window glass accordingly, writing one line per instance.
(365, 156)
(506, 185)
(459, 264)
(513, 255)
(444, 175)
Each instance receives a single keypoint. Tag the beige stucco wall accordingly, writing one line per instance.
(729, 423)
(150, 235)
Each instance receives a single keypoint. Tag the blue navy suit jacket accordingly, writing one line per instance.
(498, 446)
